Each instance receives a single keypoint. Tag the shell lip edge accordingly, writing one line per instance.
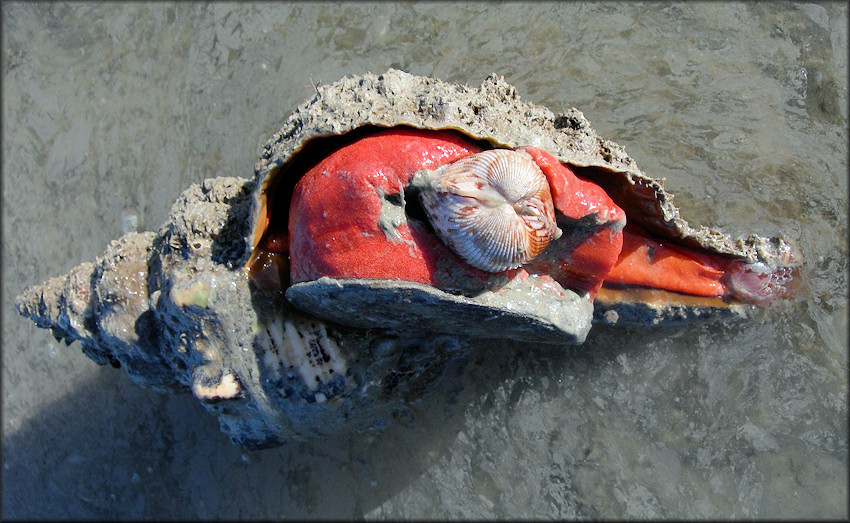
(412, 307)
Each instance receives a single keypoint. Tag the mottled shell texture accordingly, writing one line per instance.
(494, 209)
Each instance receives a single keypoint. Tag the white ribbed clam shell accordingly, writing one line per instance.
(494, 209)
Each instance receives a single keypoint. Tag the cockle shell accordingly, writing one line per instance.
(494, 209)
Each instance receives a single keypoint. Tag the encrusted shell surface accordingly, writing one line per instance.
(494, 209)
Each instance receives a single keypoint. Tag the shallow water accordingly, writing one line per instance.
(110, 110)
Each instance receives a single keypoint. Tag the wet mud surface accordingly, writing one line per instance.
(111, 110)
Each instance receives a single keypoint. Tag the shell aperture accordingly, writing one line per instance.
(494, 209)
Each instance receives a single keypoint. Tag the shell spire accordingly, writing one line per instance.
(494, 209)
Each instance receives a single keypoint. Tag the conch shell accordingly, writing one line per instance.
(333, 235)
(494, 209)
